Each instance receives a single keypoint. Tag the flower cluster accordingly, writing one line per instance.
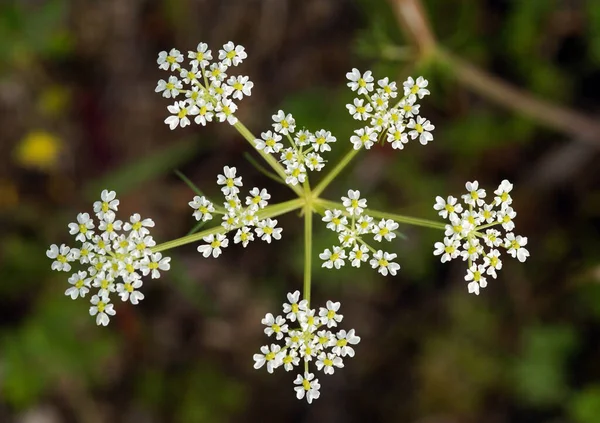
(235, 215)
(116, 257)
(304, 149)
(208, 92)
(397, 120)
(352, 226)
(473, 233)
(309, 339)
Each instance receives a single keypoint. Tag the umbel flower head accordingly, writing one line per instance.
(385, 113)
(353, 226)
(114, 258)
(307, 338)
(205, 90)
(304, 151)
(478, 231)
(235, 215)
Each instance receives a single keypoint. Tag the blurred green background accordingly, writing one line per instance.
(78, 114)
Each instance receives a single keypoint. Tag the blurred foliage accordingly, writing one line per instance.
(32, 29)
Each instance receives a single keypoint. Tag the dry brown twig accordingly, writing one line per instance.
(413, 21)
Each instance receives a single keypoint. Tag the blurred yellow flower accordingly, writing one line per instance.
(39, 150)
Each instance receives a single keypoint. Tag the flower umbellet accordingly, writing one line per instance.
(116, 255)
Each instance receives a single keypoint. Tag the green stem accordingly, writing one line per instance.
(385, 215)
(269, 211)
(307, 251)
(275, 165)
(334, 172)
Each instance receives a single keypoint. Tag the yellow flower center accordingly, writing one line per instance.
(79, 284)
(328, 362)
(294, 310)
(82, 228)
(414, 89)
(276, 328)
(101, 306)
(383, 262)
(215, 244)
(449, 249)
(268, 230)
(153, 265)
(61, 258)
(270, 356)
(306, 384)
(342, 342)
(330, 314)
(182, 113)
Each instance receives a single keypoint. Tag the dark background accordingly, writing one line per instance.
(78, 114)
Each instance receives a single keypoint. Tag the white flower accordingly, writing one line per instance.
(295, 306)
(258, 198)
(383, 263)
(475, 274)
(363, 84)
(296, 173)
(242, 86)
(232, 54)
(273, 356)
(108, 204)
(101, 309)
(106, 282)
(190, 76)
(308, 386)
(364, 137)
(335, 221)
(172, 59)
(244, 236)
(472, 249)
(205, 112)
(333, 259)
(353, 203)
(358, 110)
(416, 87)
(215, 243)
(266, 229)
(127, 290)
(225, 111)
(302, 138)
(201, 56)
(408, 106)
(82, 227)
(397, 137)
(475, 194)
(358, 255)
(290, 360)
(329, 315)
(169, 89)
(284, 124)
(308, 321)
(313, 161)
(447, 207)
(137, 226)
(269, 142)
(364, 224)
(109, 226)
(503, 197)
(385, 229)
(492, 262)
(421, 128)
(515, 246)
(506, 217)
(275, 326)
(81, 285)
(153, 263)
(327, 362)
(341, 346)
(180, 110)
(289, 157)
(449, 249)
(60, 257)
(230, 181)
(389, 88)
(218, 72)
(203, 208)
(321, 140)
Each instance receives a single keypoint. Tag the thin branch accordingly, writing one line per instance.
(412, 19)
